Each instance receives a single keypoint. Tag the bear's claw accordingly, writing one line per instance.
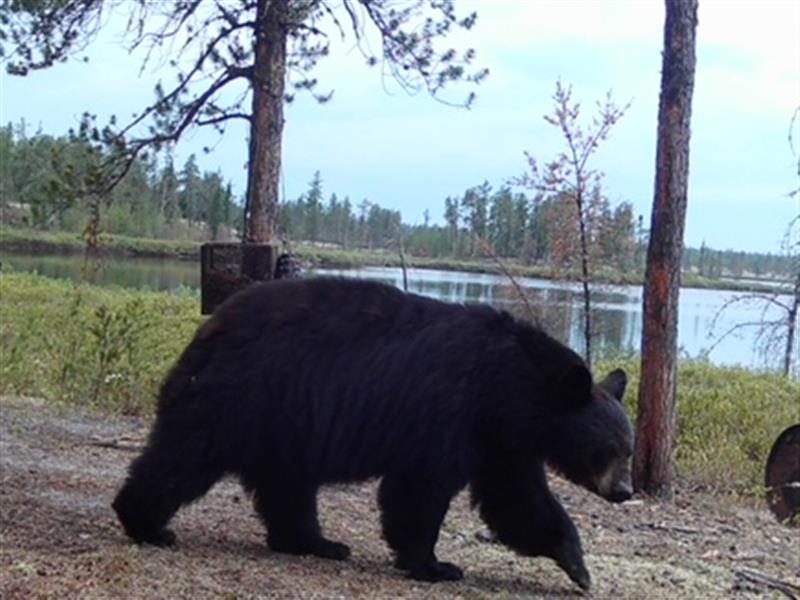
(319, 547)
(332, 550)
(431, 571)
(163, 538)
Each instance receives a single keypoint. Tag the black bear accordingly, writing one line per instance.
(293, 384)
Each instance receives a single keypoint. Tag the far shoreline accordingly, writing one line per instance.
(318, 256)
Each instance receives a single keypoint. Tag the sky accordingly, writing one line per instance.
(405, 152)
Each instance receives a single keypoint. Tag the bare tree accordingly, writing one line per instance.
(776, 327)
(570, 174)
(655, 426)
(791, 246)
(235, 60)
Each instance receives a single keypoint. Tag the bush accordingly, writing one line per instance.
(103, 347)
(728, 419)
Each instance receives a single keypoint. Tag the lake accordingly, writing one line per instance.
(618, 309)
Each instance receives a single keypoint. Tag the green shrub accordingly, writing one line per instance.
(103, 347)
(728, 419)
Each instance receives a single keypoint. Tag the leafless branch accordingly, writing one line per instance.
(738, 327)
(222, 118)
(794, 120)
(746, 299)
(335, 20)
(487, 248)
(355, 22)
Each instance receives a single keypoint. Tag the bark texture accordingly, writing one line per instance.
(266, 128)
(655, 431)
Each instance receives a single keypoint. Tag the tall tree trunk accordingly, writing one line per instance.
(266, 126)
(655, 427)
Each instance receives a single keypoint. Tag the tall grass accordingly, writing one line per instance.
(110, 348)
(102, 347)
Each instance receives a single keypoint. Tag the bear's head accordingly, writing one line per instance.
(592, 444)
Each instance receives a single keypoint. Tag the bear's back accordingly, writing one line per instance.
(321, 298)
(354, 378)
(347, 376)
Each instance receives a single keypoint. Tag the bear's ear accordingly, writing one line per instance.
(576, 386)
(615, 383)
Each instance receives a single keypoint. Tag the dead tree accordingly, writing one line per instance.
(570, 175)
(775, 328)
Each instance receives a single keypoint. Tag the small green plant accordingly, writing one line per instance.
(69, 352)
(15, 375)
(116, 336)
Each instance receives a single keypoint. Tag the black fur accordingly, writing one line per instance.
(294, 384)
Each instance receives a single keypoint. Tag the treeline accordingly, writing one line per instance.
(532, 230)
(311, 218)
(711, 263)
(155, 199)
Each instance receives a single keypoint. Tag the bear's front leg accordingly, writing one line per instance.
(411, 515)
(517, 505)
(554, 524)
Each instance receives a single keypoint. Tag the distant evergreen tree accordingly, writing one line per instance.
(189, 196)
(313, 208)
(167, 191)
(474, 204)
(452, 217)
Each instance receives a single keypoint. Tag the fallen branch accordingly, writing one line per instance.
(132, 445)
(670, 528)
(760, 558)
(789, 589)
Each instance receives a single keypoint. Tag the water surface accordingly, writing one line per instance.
(558, 305)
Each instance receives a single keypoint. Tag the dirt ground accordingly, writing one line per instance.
(59, 470)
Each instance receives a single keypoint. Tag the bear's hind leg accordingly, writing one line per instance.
(411, 515)
(163, 478)
(289, 512)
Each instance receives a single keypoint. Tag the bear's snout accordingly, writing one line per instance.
(619, 495)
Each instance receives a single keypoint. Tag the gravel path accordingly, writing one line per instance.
(60, 468)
